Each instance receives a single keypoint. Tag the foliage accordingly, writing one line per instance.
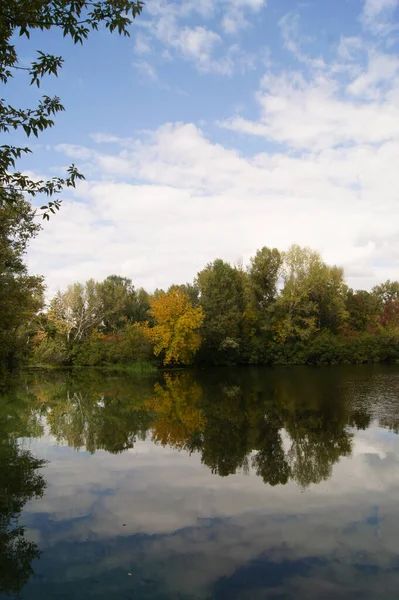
(75, 19)
(222, 296)
(77, 311)
(128, 347)
(122, 304)
(284, 308)
(263, 272)
(21, 294)
(177, 322)
(312, 297)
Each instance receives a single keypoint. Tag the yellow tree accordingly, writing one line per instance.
(176, 329)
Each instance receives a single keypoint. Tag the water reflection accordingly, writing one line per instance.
(286, 428)
(155, 505)
(20, 481)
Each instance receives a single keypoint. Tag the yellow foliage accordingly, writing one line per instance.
(178, 415)
(176, 326)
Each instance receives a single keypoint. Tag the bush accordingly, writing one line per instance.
(100, 350)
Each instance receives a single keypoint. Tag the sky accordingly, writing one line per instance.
(220, 127)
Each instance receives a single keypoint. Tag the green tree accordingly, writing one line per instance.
(75, 19)
(313, 296)
(119, 300)
(264, 271)
(21, 294)
(222, 296)
(387, 291)
(363, 310)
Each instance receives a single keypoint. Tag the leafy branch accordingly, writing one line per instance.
(76, 19)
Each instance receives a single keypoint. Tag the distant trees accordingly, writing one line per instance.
(284, 307)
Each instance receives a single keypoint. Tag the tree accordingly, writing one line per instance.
(263, 273)
(118, 298)
(176, 329)
(313, 296)
(222, 296)
(387, 291)
(363, 309)
(21, 294)
(76, 19)
(78, 310)
(387, 295)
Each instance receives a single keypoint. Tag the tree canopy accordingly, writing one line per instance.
(21, 294)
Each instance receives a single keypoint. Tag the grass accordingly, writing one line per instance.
(140, 367)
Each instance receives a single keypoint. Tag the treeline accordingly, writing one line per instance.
(284, 307)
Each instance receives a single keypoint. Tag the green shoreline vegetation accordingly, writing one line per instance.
(282, 308)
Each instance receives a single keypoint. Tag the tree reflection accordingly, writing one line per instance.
(237, 423)
(97, 413)
(291, 425)
(178, 419)
(20, 481)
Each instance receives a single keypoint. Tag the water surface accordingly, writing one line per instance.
(238, 484)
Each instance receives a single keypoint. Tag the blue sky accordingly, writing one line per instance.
(221, 126)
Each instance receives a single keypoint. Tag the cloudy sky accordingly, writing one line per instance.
(219, 127)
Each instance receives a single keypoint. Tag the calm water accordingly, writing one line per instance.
(238, 484)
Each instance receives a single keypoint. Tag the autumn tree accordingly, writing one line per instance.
(76, 19)
(387, 295)
(176, 330)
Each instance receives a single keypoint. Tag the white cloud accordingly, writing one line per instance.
(293, 40)
(197, 43)
(146, 69)
(197, 201)
(171, 25)
(374, 8)
(313, 113)
(376, 15)
(158, 206)
(381, 71)
(234, 18)
(349, 47)
(142, 45)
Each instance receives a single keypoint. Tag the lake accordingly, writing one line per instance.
(225, 484)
